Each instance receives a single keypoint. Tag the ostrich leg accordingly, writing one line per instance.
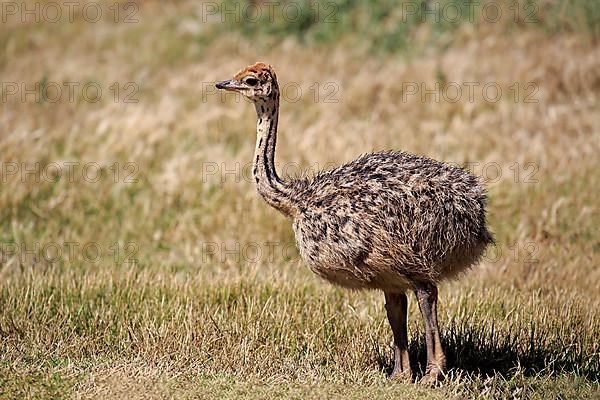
(396, 305)
(436, 360)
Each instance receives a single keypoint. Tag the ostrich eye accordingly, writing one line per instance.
(252, 81)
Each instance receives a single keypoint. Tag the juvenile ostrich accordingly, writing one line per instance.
(389, 220)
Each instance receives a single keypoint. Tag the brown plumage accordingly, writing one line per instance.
(389, 220)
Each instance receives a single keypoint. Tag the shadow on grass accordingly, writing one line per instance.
(486, 351)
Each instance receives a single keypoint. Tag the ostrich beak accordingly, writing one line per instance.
(231, 85)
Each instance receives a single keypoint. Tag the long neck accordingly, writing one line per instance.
(275, 191)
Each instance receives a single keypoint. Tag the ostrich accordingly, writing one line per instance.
(391, 221)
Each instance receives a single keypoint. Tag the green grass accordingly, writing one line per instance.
(390, 26)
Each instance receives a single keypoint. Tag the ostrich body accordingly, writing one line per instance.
(392, 221)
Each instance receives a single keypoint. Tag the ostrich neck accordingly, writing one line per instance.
(275, 191)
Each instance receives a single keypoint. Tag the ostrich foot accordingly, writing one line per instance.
(432, 376)
(399, 375)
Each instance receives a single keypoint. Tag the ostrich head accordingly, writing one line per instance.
(257, 82)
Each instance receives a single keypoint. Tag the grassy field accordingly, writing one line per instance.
(138, 261)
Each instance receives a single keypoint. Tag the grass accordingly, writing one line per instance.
(186, 331)
(150, 268)
(393, 26)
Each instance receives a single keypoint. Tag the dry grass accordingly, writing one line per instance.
(187, 308)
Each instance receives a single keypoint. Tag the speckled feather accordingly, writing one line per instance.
(388, 220)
